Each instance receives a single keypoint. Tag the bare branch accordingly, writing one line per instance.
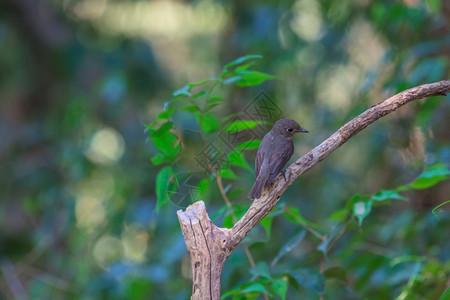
(209, 246)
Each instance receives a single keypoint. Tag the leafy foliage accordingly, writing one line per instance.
(79, 190)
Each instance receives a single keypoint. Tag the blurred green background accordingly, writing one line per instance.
(80, 79)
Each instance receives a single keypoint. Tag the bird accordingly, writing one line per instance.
(273, 153)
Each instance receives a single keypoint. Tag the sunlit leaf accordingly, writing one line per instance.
(430, 177)
(250, 78)
(166, 114)
(309, 279)
(208, 122)
(191, 108)
(361, 210)
(157, 159)
(163, 179)
(228, 174)
(168, 144)
(237, 159)
(239, 125)
(163, 129)
(290, 244)
(248, 145)
(216, 99)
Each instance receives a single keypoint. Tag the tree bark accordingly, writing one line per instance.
(209, 246)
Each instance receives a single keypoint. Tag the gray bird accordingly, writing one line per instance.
(275, 150)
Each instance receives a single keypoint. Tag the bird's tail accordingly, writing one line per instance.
(258, 186)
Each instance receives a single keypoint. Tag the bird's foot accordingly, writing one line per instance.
(284, 175)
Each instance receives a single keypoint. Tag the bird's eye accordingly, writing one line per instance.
(290, 129)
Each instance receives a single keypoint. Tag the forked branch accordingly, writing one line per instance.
(209, 246)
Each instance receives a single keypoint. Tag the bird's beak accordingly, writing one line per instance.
(303, 130)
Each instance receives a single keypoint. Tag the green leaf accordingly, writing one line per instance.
(241, 59)
(309, 279)
(166, 114)
(336, 273)
(211, 106)
(163, 179)
(235, 193)
(250, 78)
(261, 269)
(430, 177)
(193, 84)
(199, 94)
(237, 159)
(361, 209)
(191, 108)
(356, 198)
(445, 295)
(388, 195)
(228, 174)
(158, 159)
(290, 244)
(340, 215)
(280, 286)
(266, 223)
(216, 99)
(240, 125)
(323, 247)
(168, 144)
(292, 214)
(163, 129)
(255, 287)
(183, 91)
(232, 79)
(238, 210)
(248, 145)
(203, 185)
(208, 123)
(244, 67)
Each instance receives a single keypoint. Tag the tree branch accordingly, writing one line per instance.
(209, 246)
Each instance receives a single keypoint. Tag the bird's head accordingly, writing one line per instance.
(288, 127)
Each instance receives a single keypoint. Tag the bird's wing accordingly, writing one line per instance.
(258, 162)
(277, 162)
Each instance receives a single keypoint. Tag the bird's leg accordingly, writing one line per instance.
(284, 175)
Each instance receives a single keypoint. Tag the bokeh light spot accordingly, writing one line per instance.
(106, 146)
(89, 212)
(107, 250)
(135, 243)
